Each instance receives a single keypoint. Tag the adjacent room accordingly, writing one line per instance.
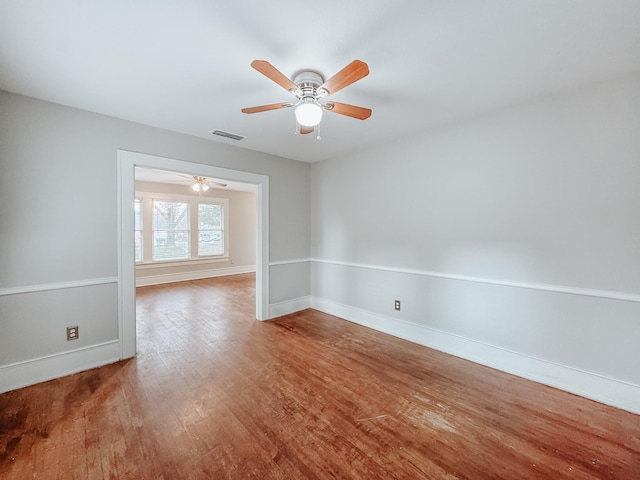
(189, 227)
(359, 239)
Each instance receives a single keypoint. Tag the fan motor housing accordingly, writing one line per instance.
(308, 82)
(308, 77)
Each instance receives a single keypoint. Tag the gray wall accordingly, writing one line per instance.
(515, 233)
(480, 228)
(58, 219)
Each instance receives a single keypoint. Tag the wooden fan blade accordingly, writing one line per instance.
(266, 108)
(360, 113)
(345, 77)
(274, 74)
(304, 130)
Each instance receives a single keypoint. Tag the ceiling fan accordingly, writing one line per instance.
(309, 87)
(202, 184)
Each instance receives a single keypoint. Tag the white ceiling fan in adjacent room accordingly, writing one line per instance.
(202, 184)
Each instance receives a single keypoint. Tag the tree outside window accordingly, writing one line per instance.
(210, 229)
(170, 230)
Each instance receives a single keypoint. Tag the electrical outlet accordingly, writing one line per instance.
(72, 333)
(397, 305)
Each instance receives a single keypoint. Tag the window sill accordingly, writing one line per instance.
(178, 263)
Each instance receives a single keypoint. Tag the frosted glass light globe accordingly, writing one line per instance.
(308, 114)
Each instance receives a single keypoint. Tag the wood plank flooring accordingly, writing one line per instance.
(214, 394)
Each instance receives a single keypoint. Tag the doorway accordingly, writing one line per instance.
(127, 162)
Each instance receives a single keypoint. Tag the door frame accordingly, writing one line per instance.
(127, 161)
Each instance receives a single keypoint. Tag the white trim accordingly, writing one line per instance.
(289, 306)
(180, 263)
(126, 257)
(597, 387)
(193, 275)
(262, 247)
(57, 286)
(289, 262)
(30, 372)
(628, 297)
(127, 162)
(180, 197)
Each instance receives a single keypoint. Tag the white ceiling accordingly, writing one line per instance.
(185, 65)
(186, 180)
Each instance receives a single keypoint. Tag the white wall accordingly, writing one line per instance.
(241, 232)
(59, 232)
(481, 228)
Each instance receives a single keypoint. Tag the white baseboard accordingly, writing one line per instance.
(195, 275)
(38, 370)
(586, 384)
(290, 306)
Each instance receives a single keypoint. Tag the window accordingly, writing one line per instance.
(180, 228)
(170, 230)
(210, 231)
(138, 228)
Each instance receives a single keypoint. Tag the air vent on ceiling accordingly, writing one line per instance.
(232, 136)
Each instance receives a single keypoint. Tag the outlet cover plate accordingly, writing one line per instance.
(72, 333)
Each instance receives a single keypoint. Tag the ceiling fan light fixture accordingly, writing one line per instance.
(308, 114)
(309, 86)
(200, 184)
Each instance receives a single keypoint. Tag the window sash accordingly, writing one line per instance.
(171, 234)
(210, 231)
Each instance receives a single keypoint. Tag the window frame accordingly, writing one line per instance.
(140, 223)
(147, 199)
(185, 208)
(221, 229)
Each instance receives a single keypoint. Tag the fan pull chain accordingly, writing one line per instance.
(318, 131)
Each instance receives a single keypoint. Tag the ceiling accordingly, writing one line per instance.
(186, 180)
(185, 65)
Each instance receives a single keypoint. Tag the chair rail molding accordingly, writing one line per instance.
(57, 286)
(624, 296)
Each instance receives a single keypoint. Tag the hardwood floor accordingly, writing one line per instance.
(215, 394)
